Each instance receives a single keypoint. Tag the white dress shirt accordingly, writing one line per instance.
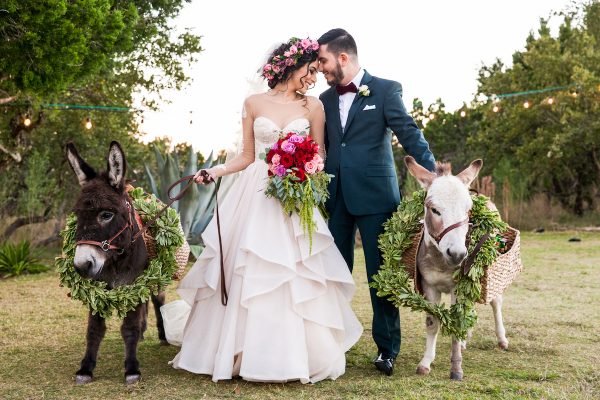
(347, 98)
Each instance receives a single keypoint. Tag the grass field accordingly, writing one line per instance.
(551, 315)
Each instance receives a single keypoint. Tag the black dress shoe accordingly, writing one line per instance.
(385, 365)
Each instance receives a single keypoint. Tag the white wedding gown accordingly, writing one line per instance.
(288, 316)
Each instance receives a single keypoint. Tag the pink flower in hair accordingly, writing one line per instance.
(305, 43)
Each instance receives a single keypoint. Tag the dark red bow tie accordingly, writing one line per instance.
(350, 88)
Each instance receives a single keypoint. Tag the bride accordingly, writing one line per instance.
(288, 316)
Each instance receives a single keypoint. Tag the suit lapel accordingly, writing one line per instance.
(358, 101)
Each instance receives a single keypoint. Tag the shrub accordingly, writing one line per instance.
(17, 259)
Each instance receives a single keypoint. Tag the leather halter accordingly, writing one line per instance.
(107, 245)
(438, 237)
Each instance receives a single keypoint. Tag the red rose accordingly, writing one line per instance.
(270, 156)
(286, 160)
(300, 175)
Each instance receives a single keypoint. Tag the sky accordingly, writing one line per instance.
(434, 48)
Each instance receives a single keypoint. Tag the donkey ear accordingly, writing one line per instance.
(470, 173)
(84, 172)
(116, 166)
(423, 175)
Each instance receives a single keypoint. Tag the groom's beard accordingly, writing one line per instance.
(337, 75)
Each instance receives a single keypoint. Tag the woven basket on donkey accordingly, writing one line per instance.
(181, 255)
(496, 278)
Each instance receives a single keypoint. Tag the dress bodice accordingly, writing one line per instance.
(266, 132)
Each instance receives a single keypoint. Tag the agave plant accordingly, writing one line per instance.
(16, 259)
(197, 206)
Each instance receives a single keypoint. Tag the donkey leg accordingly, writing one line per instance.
(159, 301)
(456, 372)
(432, 326)
(95, 333)
(500, 331)
(131, 331)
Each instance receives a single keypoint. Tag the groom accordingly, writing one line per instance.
(359, 109)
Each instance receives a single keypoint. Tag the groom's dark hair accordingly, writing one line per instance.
(338, 41)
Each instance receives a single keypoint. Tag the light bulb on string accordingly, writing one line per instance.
(463, 113)
(495, 108)
(550, 100)
(27, 120)
(432, 116)
(88, 123)
(526, 104)
(574, 93)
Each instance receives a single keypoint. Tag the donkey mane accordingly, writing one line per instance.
(443, 168)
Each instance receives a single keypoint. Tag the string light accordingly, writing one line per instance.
(574, 93)
(495, 108)
(526, 104)
(27, 120)
(88, 123)
(550, 100)
(431, 116)
(463, 113)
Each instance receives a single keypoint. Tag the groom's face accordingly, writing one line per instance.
(330, 66)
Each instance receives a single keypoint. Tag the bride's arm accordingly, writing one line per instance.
(317, 125)
(242, 160)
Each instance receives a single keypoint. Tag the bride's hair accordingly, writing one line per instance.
(287, 58)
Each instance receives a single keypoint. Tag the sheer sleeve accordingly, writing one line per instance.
(317, 124)
(246, 156)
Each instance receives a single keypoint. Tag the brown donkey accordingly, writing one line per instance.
(106, 253)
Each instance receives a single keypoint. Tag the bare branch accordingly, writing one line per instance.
(15, 156)
(7, 99)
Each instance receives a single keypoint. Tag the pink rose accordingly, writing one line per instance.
(276, 158)
(317, 158)
(320, 167)
(305, 43)
(288, 147)
(279, 170)
(276, 68)
(267, 67)
(274, 146)
(315, 45)
(310, 167)
(296, 139)
(293, 49)
(290, 61)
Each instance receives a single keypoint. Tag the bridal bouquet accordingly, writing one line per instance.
(296, 177)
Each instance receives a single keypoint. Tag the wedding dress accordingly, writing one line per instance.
(289, 313)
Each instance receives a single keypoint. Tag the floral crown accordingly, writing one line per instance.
(277, 65)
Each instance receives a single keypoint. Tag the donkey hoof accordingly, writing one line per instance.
(456, 376)
(82, 379)
(503, 345)
(422, 370)
(131, 379)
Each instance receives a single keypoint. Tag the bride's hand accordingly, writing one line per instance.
(204, 176)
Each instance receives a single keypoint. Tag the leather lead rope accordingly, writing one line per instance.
(190, 181)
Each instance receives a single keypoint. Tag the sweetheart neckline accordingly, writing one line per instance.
(277, 126)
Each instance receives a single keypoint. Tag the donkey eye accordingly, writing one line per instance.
(435, 211)
(106, 216)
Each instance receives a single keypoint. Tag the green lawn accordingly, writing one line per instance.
(551, 315)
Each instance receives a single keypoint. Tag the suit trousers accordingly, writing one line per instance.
(343, 225)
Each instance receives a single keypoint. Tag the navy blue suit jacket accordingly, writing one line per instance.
(361, 156)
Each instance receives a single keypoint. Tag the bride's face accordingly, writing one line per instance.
(304, 77)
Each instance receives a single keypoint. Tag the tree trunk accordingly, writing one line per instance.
(22, 221)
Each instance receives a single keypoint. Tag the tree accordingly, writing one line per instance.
(95, 52)
(554, 144)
